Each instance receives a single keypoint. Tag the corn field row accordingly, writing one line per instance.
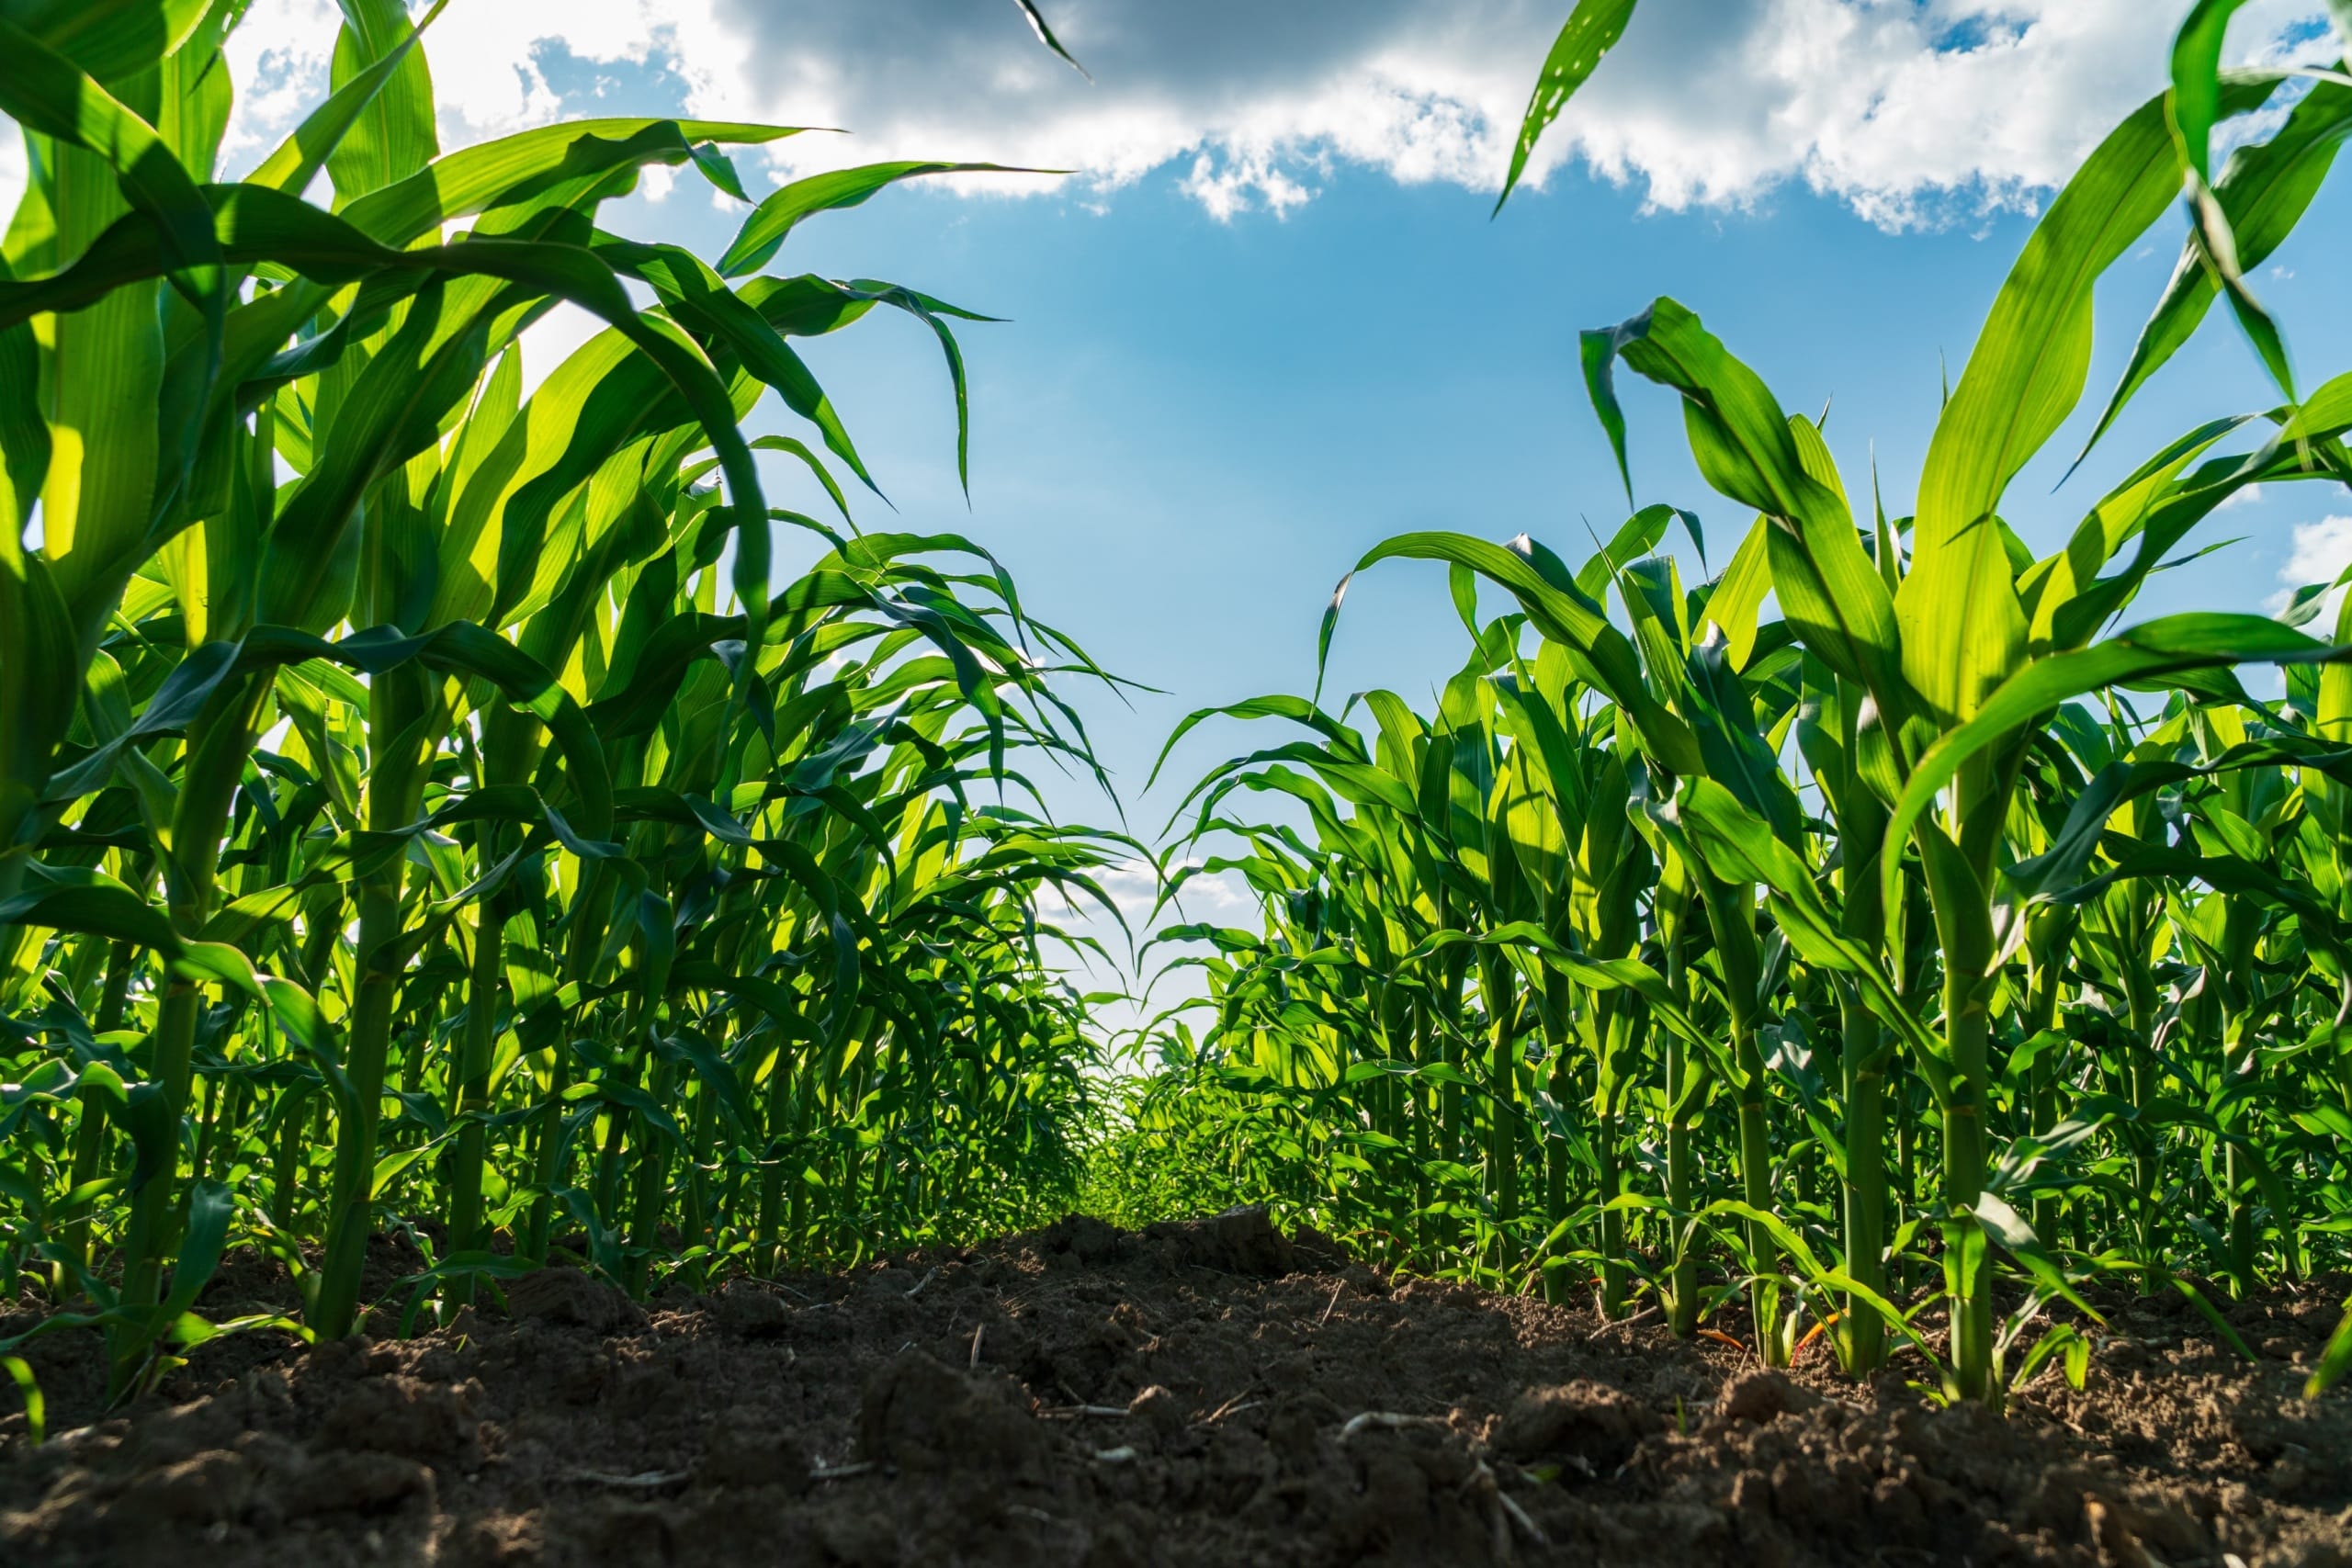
(1868, 916)
(426, 808)
(422, 811)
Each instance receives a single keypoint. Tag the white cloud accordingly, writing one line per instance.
(2319, 553)
(1911, 111)
(487, 74)
(278, 59)
(1908, 110)
(1135, 887)
(1218, 895)
(1237, 187)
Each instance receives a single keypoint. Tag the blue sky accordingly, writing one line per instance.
(1271, 323)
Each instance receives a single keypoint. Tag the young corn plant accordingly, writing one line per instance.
(421, 810)
(1962, 947)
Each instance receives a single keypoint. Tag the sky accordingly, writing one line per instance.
(1266, 320)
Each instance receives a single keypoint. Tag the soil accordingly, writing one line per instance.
(1206, 1394)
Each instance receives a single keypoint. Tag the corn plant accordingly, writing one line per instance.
(419, 807)
(1962, 899)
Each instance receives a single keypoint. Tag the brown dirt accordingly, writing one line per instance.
(1196, 1394)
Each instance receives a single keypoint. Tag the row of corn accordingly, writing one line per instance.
(1868, 928)
(421, 810)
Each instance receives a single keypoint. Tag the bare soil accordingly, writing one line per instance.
(1204, 1393)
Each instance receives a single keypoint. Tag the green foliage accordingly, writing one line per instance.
(421, 808)
(1927, 935)
(1591, 32)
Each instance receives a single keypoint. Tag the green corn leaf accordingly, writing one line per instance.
(1593, 28)
(718, 1076)
(107, 368)
(2027, 371)
(93, 903)
(2335, 1361)
(1297, 709)
(2195, 101)
(210, 1207)
(2176, 643)
(392, 135)
(1036, 20)
(20, 1373)
(2008, 1228)
(110, 39)
(1963, 629)
(1749, 450)
(2193, 106)
(1638, 536)
(46, 92)
(1822, 1276)
(2263, 192)
(1737, 846)
(772, 222)
(1739, 592)
(2112, 788)
(295, 161)
(39, 651)
(1603, 655)
(471, 180)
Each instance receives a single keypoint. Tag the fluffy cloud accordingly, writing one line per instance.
(1909, 110)
(488, 59)
(2320, 552)
(1216, 896)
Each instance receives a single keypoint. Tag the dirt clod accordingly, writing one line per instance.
(353, 1482)
(1158, 1411)
(1239, 1241)
(920, 1415)
(567, 1295)
(1762, 1395)
(403, 1415)
(208, 1487)
(1590, 1426)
